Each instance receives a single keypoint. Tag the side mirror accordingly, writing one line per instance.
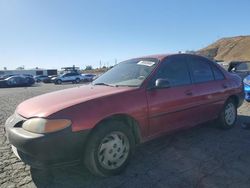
(162, 83)
(233, 69)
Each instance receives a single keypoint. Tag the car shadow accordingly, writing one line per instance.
(69, 83)
(180, 159)
(21, 86)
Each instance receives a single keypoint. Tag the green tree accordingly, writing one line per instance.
(89, 67)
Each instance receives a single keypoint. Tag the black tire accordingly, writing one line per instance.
(92, 158)
(43, 177)
(59, 82)
(77, 81)
(224, 122)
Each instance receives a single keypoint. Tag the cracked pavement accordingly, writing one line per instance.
(203, 156)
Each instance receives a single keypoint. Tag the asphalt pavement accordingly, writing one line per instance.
(203, 156)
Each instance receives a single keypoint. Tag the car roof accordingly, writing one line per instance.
(163, 56)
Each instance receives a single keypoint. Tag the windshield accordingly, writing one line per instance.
(128, 73)
(247, 80)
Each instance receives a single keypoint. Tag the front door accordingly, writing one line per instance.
(173, 107)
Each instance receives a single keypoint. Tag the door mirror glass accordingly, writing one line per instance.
(162, 83)
(233, 69)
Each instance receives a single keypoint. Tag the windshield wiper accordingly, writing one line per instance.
(105, 84)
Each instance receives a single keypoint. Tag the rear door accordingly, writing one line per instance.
(74, 76)
(209, 86)
(174, 107)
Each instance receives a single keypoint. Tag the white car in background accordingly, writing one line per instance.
(68, 77)
(88, 77)
(40, 78)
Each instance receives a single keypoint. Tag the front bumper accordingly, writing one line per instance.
(45, 150)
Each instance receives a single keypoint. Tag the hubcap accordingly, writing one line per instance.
(113, 150)
(230, 114)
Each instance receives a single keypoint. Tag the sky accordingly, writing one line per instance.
(59, 33)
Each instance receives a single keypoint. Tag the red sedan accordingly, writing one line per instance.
(137, 100)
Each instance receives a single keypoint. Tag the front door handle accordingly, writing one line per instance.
(188, 92)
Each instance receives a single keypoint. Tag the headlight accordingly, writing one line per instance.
(41, 125)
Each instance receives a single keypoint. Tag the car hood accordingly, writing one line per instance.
(47, 104)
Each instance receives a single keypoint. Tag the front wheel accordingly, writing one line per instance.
(77, 81)
(228, 116)
(109, 149)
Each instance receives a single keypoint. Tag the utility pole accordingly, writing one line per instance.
(100, 64)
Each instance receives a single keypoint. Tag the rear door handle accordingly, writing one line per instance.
(188, 92)
(224, 86)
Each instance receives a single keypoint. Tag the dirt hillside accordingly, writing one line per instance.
(228, 49)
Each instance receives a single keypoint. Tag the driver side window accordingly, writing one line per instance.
(175, 70)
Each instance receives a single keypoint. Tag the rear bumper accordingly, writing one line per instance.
(46, 150)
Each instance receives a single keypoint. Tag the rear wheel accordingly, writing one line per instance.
(59, 82)
(228, 116)
(109, 149)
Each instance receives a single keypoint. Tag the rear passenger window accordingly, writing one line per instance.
(200, 70)
(218, 75)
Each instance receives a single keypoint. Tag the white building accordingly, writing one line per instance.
(33, 72)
